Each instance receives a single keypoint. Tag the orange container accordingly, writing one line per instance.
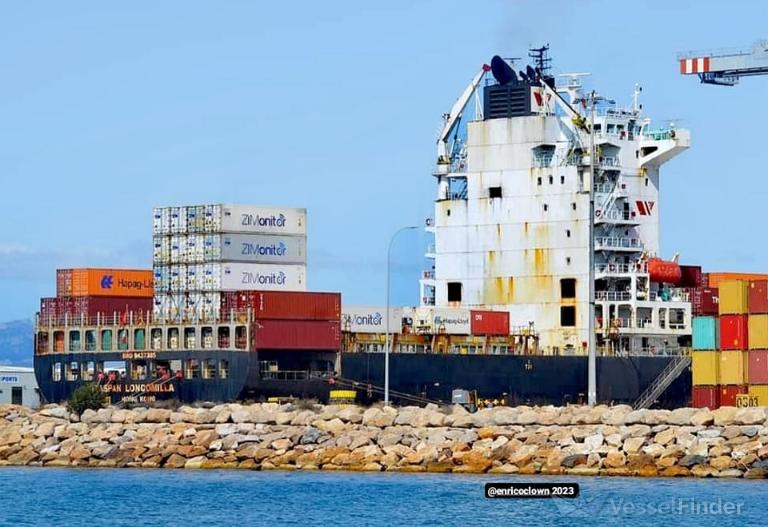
(714, 279)
(105, 282)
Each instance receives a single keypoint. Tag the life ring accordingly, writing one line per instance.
(598, 213)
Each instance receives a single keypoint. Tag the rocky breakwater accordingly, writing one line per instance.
(575, 440)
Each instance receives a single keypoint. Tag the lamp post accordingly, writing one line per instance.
(386, 316)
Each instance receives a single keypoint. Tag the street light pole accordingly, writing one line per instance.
(386, 317)
(592, 352)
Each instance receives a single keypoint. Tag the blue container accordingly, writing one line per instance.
(705, 333)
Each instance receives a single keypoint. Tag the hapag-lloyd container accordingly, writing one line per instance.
(451, 321)
(285, 305)
(495, 323)
(371, 319)
(104, 282)
(296, 335)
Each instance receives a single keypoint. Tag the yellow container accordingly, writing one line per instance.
(733, 296)
(706, 368)
(761, 392)
(733, 367)
(758, 332)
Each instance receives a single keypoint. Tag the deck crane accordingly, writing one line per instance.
(452, 118)
(726, 67)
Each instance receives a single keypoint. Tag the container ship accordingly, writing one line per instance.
(542, 190)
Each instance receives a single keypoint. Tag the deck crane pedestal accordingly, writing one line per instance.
(726, 67)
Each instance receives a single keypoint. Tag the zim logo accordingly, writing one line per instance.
(644, 207)
(106, 281)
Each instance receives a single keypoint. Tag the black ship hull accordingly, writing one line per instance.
(516, 379)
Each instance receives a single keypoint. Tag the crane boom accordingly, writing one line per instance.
(726, 67)
(451, 118)
(576, 118)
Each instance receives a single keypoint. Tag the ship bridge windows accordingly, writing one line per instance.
(568, 316)
(224, 369)
(192, 369)
(454, 291)
(543, 155)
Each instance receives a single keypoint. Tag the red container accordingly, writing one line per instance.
(705, 301)
(733, 332)
(706, 397)
(758, 296)
(691, 276)
(757, 367)
(284, 305)
(296, 335)
(76, 307)
(494, 323)
(728, 394)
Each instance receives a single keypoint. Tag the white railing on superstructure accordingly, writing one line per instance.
(621, 268)
(613, 296)
(619, 242)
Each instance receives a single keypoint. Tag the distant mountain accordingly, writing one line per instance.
(16, 343)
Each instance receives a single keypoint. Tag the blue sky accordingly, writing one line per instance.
(108, 109)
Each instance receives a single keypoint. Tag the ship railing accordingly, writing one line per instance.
(613, 296)
(604, 188)
(141, 318)
(650, 351)
(621, 268)
(285, 375)
(674, 294)
(615, 215)
(661, 134)
(428, 300)
(428, 275)
(618, 242)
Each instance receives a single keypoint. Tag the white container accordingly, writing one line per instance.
(178, 278)
(253, 277)
(178, 220)
(370, 319)
(451, 321)
(263, 248)
(177, 244)
(195, 218)
(161, 250)
(162, 274)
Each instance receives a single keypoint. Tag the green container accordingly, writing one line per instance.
(705, 333)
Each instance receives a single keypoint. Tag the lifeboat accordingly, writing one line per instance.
(662, 271)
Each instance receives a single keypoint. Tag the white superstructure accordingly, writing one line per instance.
(512, 215)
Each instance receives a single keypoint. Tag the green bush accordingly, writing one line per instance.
(88, 396)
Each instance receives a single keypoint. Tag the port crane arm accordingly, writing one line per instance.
(726, 67)
(451, 118)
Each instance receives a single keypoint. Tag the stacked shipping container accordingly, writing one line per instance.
(85, 295)
(203, 250)
(730, 356)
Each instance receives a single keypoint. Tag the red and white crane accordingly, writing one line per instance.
(726, 67)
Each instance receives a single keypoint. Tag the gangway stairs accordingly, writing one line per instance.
(663, 381)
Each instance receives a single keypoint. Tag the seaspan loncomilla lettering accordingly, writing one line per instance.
(138, 388)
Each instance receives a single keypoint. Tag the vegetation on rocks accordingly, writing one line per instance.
(575, 440)
(87, 397)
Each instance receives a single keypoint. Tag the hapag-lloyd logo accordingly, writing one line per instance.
(249, 278)
(449, 321)
(257, 220)
(370, 319)
(257, 249)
